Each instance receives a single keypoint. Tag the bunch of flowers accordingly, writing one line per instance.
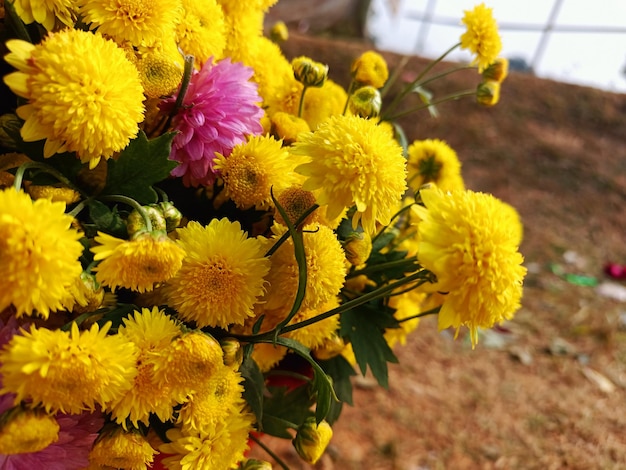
(202, 240)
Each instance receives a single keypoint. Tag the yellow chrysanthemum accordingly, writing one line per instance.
(370, 68)
(39, 253)
(68, 371)
(316, 334)
(26, 431)
(287, 126)
(272, 71)
(140, 22)
(267, 355)
(121, 449)
(237, 8)
(214, 402)
(55, 194)
(254, 169)
(354, 162)
(45, 12)
(222, 276)
(84, 94)
(160, 72)
(325, 264)
(481, 37)
(151, 331)
(201, 31)
(83, 295)
(295, 201)
(407, 304)
(321, 103)
(137, 264)
(223, 447)
(187, 363)
(434, 161)
(470, 242)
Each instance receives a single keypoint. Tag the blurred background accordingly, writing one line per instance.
(564, 40)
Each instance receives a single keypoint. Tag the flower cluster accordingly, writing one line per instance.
(196, 231)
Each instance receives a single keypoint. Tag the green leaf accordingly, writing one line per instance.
(142, 163)
(426, 97)
(105, 219)
(285, 409)
(364, 327)
(340, 370)
(254, 386)
(322, 383)
(116, 315)
(401, 137)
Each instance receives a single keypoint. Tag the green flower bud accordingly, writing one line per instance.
(366, 102)
(312, 439)
(308, 72)
(135, 223)
(497, 71)
(254, 464)
(358, 247)
(279, 32)
(488, 93)
(233, 352)
(172, 215)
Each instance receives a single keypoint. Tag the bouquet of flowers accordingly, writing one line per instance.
(202, 240)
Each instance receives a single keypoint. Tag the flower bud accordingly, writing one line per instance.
(254, 464)
(27, 431)
(233, 352)
(366, 102)
(497, 71)
(295, 201)
(66, 195)
(279, 32)
(358, 247)
(488, 93)
(370, 68)
(331, 347)
(312, 439)
(136, 224)
(287, 127)
(308, 72)
(10, 125)
(172, 215)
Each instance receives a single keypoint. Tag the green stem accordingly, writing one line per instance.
(162, 194)
(182, 92)
(283, 238)
(400, 96)
(270, 452)
(452, 97)
(447, 72)
(375, 294)
(19, 175)
(77, 210)
(350, 91)
(396, 215)
(134, 204)
(410, 263)
(394, 76)
(301, 104)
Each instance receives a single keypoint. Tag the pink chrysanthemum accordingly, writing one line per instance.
(220, 108)
(71, 452)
